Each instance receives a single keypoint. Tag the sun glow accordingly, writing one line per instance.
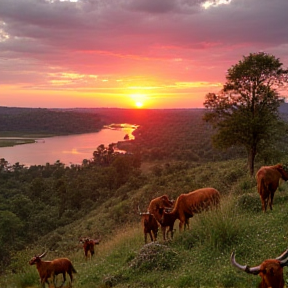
(139, 99)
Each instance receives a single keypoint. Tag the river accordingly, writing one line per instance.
(71, 149)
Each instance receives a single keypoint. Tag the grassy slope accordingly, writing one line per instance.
(196, 258)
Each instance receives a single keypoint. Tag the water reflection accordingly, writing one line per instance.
(69, 150)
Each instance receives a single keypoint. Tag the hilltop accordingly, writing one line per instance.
(53, 206)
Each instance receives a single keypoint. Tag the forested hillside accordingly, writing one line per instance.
(49, 207)
(45, 121)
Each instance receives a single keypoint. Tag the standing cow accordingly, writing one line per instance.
(88, 246)
(156, 206)
(150, 226)
(151, 218)
(188, 204)
(270, 270)
(267, 183)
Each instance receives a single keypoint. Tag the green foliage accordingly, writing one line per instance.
(53, 205)
(27, 279)
(47, 121)
(217, 229)
(245, 112)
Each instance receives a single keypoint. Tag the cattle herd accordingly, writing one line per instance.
(162, 212)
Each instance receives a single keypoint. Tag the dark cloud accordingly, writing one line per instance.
(101, 34)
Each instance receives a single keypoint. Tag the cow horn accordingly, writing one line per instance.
(142, 213)
(283, 258)
(252, 270)
(43, 254)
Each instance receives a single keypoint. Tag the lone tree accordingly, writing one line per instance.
(245, 112)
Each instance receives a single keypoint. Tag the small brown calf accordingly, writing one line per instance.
(50, 269)
(150, 226)
(88, 246)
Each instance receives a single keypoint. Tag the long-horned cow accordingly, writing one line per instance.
(268, 181)
(189, 204)
(88, 246)
(50, 269)
(270, 270)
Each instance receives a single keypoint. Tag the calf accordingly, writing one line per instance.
(156, 206)
(88, 246)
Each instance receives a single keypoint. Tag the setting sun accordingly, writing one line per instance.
(139, 99)
(139, 104)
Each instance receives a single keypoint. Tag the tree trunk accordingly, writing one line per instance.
(251, 160)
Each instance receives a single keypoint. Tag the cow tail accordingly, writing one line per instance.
(73, 269)
(261, 186)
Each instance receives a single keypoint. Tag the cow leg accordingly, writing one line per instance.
(71, 277)
(151, 237)
(186, 225)
(271, 200)
(264, 204)
(170, 229)
(163, 228)
(64, 279)
(181, 223)
(145, 237)
(155, 235)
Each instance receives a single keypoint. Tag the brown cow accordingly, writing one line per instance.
(50, 269)
(188, 204)
(156, 206)
(268, 181)
(88, 246)
(150, 226)
(271, 270)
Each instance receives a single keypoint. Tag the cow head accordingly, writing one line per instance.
(283, 171)
(166, 202)
(37, 258)
(270, 270)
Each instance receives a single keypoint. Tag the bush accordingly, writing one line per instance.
(249, 202)
(154, 256)
(218, 229)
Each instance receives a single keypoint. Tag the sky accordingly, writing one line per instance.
(130, 53)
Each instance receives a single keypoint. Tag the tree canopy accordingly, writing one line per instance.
(245, 111)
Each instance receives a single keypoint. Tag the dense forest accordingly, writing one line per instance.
(38, 121)
(41, 200)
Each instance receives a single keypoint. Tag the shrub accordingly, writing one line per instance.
(154, 256)
(249, 202)
(218, 229)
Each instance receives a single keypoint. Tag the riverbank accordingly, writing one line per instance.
(10, 139)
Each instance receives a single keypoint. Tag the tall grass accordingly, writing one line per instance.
(199, 257)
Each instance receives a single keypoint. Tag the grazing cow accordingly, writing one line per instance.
(267, 183)
(271, 270)
(187, 205)
(150, 226)
(88, 246)
(156, 206)
(50, 269)
(151, 218)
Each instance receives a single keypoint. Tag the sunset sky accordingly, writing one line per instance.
(128, 53)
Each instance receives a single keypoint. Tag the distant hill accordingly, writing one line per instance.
(39, 120)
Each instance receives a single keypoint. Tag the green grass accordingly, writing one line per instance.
(199, 257)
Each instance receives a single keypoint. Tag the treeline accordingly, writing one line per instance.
(47, 121)
(36, 200)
